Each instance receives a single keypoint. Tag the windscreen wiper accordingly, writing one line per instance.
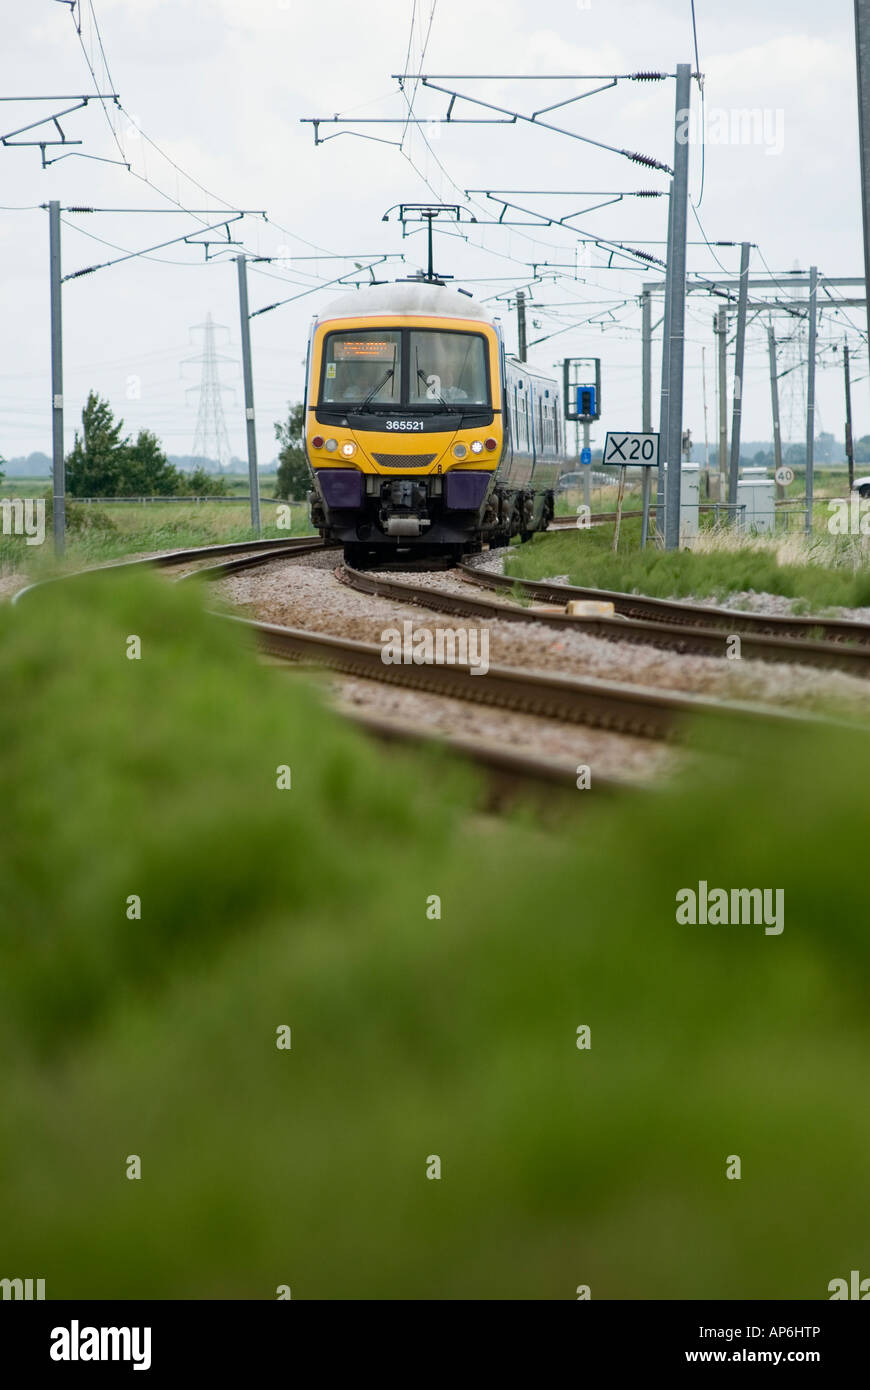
(375, 389)
(423, 377)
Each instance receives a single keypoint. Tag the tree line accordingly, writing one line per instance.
(106, 462)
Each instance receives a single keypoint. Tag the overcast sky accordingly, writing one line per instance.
(218, 87)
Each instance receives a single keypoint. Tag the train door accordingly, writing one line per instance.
(508, 416)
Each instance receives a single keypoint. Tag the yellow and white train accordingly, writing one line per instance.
(420, 431)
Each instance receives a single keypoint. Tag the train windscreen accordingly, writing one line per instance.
(448, 367)
(363, 367)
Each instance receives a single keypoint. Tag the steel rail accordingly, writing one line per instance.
(801, 631)
(262, 550)
(507, 771)
(627, 709)
(224, 568)
(687, 640)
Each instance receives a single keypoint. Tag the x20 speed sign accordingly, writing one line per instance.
(641, 450)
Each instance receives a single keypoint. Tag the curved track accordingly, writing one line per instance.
(508, 774)
(251, 553)
(612, 705)
(621, 708)
(684, 615)
(684, 636)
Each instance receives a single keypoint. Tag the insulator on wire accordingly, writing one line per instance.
(649, 193)
(647, 76)
(644, 256)
(80, 209)
(88, 270)
(646, 160)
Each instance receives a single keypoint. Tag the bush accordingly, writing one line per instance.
(411, 1036)
(199, 483)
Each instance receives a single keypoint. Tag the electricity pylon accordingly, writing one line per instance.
(211, 439)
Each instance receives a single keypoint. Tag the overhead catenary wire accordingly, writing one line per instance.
(320, 281)
(145, 178)
(464, 193)
(425, 45)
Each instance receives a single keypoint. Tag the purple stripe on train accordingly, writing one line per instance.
(464, 492)
(341, 487)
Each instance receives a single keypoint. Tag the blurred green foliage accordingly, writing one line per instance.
(410, 1036)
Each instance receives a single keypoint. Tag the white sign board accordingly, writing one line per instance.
(784, 476)
(628, 449)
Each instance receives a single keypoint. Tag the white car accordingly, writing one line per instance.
(862, 486)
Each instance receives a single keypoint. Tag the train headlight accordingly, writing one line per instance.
(348, 448)
(317, 441)
(332, 445)
(476, 446)
(459, 451)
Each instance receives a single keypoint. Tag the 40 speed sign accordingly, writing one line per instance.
(641, 450)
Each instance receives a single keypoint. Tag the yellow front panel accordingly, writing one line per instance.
(400, 444)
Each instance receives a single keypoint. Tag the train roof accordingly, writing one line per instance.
(406, 297)
(526, 369)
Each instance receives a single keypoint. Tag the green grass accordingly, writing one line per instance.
(411, 1036)
(98, 532)
(586, 556)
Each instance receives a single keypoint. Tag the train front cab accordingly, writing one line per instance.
(404, 429)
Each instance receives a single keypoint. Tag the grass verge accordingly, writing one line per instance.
(828, 571)
(98, 532)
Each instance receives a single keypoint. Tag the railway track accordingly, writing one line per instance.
(509, 775)
(683, 636)
(249, 553)
(614, 706)
(226, 567)
(832, 631)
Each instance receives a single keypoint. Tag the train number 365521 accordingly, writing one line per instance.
(403, 424)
